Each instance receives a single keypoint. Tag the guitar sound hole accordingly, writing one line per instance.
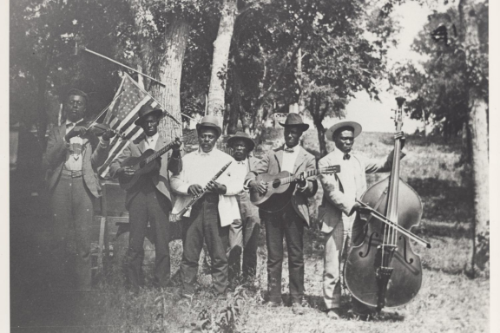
(276, 184)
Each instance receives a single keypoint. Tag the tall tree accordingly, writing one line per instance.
(437, 88)
(160, 36)
(216, 92)
(476, 58)
(464, 47)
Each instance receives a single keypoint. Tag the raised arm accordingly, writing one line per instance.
(117, 162)
(383, 165)
(100, 154)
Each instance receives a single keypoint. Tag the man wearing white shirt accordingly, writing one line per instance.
(289, 221)
(338, 209)
(71, 158)
(243, 233)
(210, 217)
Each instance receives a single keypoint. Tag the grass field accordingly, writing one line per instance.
(448, 301)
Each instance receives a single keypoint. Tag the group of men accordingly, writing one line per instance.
(222, 217)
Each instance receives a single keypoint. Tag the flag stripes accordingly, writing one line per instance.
(121, 116)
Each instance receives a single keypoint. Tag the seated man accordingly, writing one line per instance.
(210, 217)
(244, 233)
(149, 200)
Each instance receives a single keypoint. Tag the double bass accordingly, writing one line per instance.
(381, 269)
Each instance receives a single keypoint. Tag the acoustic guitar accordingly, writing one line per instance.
(143, 164)
(279, 187)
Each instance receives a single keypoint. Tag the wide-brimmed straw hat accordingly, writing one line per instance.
(210, 122)
(146, 110)
(356, 127)
(294, 119)
(241, 136)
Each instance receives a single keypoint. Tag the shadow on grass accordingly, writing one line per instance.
(444, 201)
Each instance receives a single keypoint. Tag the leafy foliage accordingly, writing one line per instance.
(439, 86)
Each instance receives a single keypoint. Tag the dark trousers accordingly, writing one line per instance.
(288, 224)
(244, 236)
(72, 209)
(204, 225)
(149, 205)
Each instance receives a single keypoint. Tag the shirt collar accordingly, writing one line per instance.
(340, 154)
(210, 153)
(68, 122)
(290, 150)
(243, 161)
(151, 138)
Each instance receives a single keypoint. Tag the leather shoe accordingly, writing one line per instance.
(298, 308)
(359, 315)
(333, 313)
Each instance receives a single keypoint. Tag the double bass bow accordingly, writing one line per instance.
(382, 270)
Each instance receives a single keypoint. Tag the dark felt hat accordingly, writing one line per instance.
(294, 119)
(146, 110)
(356, 127)
(77, 92)
(241, 136)
(210, 122)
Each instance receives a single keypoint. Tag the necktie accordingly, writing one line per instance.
(289, 150)
(347, 156)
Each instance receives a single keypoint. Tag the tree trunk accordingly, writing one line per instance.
(235, 103)
(170, 72)
(246, 115)
(222, 44)
(42, 111)
(321, 138)
(257, 122)
(480, 164)
(478, 124)
(298, 106)
(424, 117)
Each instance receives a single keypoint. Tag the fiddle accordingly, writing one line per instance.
(99, 129)
(382, 270)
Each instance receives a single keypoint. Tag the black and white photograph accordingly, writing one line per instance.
(247, 166)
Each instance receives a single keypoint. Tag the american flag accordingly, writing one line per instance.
(121, 115)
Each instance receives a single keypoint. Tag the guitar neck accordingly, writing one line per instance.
(160, 152)
(306, 174)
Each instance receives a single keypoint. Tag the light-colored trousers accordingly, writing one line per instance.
(334, 245)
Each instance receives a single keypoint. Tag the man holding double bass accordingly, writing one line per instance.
(292, 212)
(338, 209)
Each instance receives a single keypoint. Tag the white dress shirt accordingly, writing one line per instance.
(289, 158)
(199, 168)
(150, 141)
(240, 171)
(352, 179)
(73, 158)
